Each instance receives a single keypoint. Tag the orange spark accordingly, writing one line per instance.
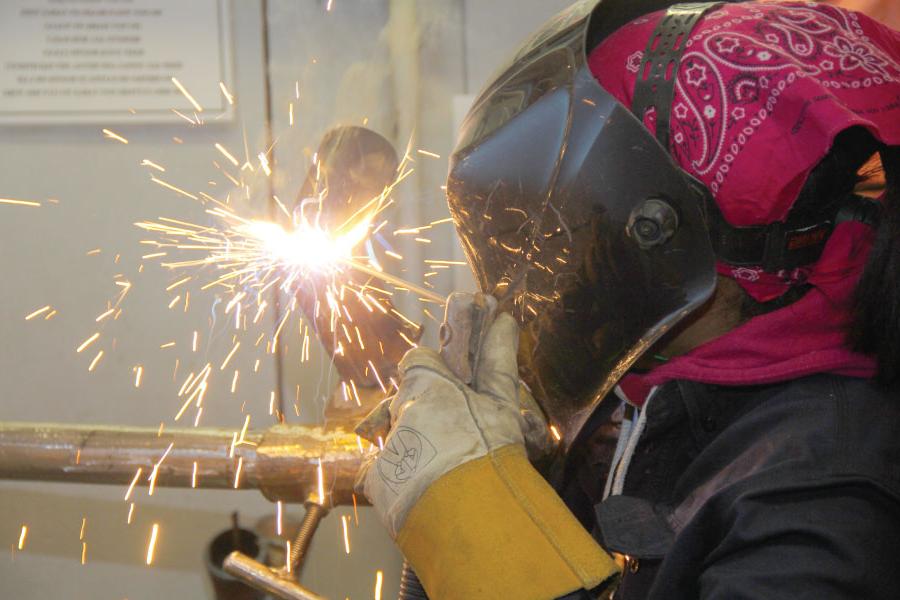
(39, 311)
(244, 430)
(95, 361)
(149, 163)
(151, 547)
(155, 472)
(227, 154)
(555, 432)
(264, 163)
(134, 481)
(226, 93)
(102, 316)
(190, 98)
(168, 185)
(19, 202)
(321, 482)
(230, 354)
(237, 472)
(344, 519)
(279, 509)
(88, 342)
(179, 282)
(112, 135)
(287, 556)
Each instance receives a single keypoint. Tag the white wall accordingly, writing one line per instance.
(398, 63)
(102, 191)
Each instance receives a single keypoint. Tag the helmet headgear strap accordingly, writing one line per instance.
(655, 86)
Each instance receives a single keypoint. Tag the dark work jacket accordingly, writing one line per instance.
(766, 492)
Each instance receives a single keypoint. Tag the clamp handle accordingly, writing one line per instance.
(281, 583)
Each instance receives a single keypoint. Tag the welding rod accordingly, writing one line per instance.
(281, 461)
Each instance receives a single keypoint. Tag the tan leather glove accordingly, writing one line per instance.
(454, 487)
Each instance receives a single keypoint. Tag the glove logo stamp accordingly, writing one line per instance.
(406, 452)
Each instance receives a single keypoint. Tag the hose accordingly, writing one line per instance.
(410, 587)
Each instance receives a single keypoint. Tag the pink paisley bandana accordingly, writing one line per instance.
(762, 90)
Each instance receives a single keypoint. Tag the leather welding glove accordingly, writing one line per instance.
(455, 489)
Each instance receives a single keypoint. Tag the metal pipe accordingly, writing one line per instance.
(282, 461)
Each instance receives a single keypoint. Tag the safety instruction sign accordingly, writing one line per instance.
(108, 61)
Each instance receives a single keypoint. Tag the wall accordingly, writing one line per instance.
(102, 190)
(886, 11)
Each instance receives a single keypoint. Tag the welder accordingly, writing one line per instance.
(664, 200)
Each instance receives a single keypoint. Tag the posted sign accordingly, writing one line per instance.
(109, 61)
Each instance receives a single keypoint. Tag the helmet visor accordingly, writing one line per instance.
(556, 189)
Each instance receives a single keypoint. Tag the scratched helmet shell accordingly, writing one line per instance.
(576, 219)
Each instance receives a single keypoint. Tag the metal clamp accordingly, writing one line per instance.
(283, 582)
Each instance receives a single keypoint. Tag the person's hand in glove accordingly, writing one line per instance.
(454, 487)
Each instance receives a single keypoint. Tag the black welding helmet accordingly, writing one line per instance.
(575, 217)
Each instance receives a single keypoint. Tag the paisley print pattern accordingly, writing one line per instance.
(761, 91)
(739, 65)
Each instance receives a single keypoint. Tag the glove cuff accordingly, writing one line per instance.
(493, 528)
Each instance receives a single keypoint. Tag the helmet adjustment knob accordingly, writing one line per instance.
(652, 223)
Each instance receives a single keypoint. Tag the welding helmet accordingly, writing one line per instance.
(575, 216)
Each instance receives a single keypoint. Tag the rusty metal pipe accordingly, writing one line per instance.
(281, 461)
